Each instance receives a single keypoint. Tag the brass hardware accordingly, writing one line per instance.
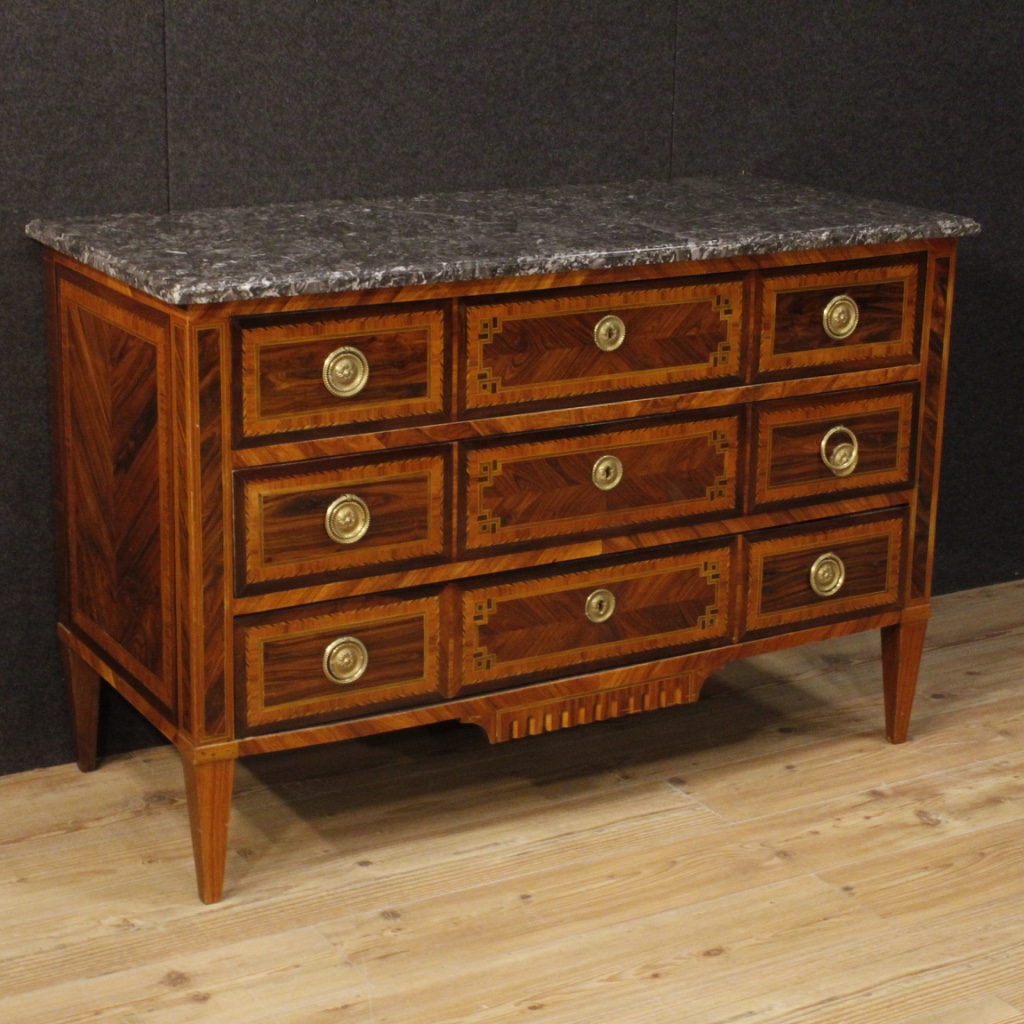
(607, 473)
(840, 317)
(827, 574)
(600, 605)
(345, 660)
(842, 460)
(609, 333)
(346, 372)
(347, 519)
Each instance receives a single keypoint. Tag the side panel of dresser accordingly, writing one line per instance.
(111, 384)
(903, 643)
(141, 484)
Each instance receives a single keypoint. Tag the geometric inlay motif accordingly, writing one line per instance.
(486, 472)
(489, 326)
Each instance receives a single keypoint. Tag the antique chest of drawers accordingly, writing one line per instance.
(523, 459)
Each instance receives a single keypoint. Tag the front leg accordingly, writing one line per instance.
(208, 787)
(902, 646)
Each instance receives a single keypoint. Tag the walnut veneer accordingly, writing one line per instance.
(522, 519)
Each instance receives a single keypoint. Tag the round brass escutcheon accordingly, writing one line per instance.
(609, 333)
(840, 317)
(842, 459)
(346, 372)
(600, 605)
(607, 473)
(827, 574)
(345, 660)
(347, 519)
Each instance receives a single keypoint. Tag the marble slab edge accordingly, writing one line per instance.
(275, 251)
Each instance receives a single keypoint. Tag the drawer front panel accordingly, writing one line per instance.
(342, 516)
(381, 654)
(606, 480)
(810, 448)
(553, 349)
(871, 311)
(381, 367)
(547, 624)
(840, 569)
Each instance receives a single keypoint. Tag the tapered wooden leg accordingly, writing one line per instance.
(83, 685)
(902, 646)
(208, 790)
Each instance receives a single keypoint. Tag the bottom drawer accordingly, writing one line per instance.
(348, 659)
(546, 624)
(838, 568)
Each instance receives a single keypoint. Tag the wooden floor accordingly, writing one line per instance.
(762, 856)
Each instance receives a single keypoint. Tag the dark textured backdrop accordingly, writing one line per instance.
(121, 105)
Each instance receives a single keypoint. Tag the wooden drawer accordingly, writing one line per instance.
(340, 516)
(829, 446)
(861, 554)
(556, 349)
(876, 305)
(381, 654)
(546, 624)
(381, 367)
(601, 481)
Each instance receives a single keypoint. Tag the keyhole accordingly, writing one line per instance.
(600, 605)
(607, 472)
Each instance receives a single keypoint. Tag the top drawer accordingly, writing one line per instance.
(833, 319)
(331, 371)
(562, 348)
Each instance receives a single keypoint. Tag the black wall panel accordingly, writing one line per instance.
(149, 104)
(917, 102)
(301, 99)
(81, 130)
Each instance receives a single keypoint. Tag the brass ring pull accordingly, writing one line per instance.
(609, 333)
(607, 473)
(827, 574)
(347, 519)
(600, 605)
(345, 660)
(842, 460)
(346, 372)
(840, 317)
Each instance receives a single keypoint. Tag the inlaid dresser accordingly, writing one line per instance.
(524, 459)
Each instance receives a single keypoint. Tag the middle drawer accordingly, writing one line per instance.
(599, 481)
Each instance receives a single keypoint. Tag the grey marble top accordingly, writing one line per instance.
(353, 244)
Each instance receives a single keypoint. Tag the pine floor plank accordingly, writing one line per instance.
(986, 1010)
(762, 856)
(232, 983)
(914, 819)
(947, 880)
(782, 955)
(729, 944)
